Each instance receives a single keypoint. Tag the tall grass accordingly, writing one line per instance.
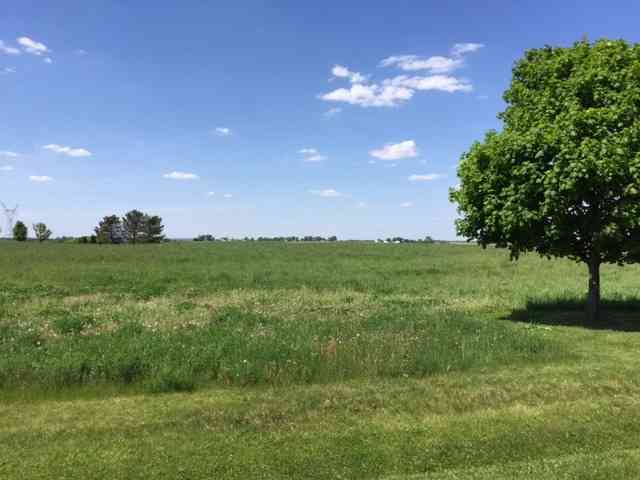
(239, 347)
(174, 316)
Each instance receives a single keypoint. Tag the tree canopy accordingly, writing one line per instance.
(20, 232)
(562, 178)
(110, 230)
(133, 224)
(134, 227)
(41, 231)
(152, 229)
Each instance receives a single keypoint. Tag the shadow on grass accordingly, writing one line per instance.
(615, 315)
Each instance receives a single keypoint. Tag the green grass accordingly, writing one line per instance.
(347, 360)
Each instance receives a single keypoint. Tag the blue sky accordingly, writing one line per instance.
(262, 118)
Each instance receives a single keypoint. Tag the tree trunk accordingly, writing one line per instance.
(593, 301)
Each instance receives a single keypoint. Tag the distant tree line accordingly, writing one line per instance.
(308, 238)
(134, 227)
(138, 227)
(426, 239)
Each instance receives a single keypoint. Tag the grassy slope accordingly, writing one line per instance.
(567, 410)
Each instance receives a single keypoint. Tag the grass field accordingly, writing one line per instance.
(347, 360)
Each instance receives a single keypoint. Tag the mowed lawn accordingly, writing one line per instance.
(344, 360)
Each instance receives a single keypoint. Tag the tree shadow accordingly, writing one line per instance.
(615, 315)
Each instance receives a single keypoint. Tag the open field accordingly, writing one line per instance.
(346, 360)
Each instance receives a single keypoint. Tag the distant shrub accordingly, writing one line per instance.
(87, 239)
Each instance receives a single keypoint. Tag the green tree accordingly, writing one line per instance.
(41, 231)
(562, 178)
(153, 229)
(109, 230)
(133, 224)
(20, 231)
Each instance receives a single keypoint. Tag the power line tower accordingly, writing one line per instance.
(10, 216)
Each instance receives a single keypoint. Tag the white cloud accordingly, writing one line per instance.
(370, 95)
(361, 205)
(31, 46)
(444, 83)
(435, 64)
(425, 178)
(343, 72)
(227, 195)
(80, 52)
(6, 168)
(406, 204)
(223, 131)
(71, 152)
(462, 48)
(327, 193)
(210, 194)
(8, 154)
(340, 71)
(311, 155)
(391, 92)
(48, 60)
(308, 151)
(40, 178)
(79, 152)
(8, 49)
(332, 111)
(181, 176)
(396, 151)
(7, 70)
